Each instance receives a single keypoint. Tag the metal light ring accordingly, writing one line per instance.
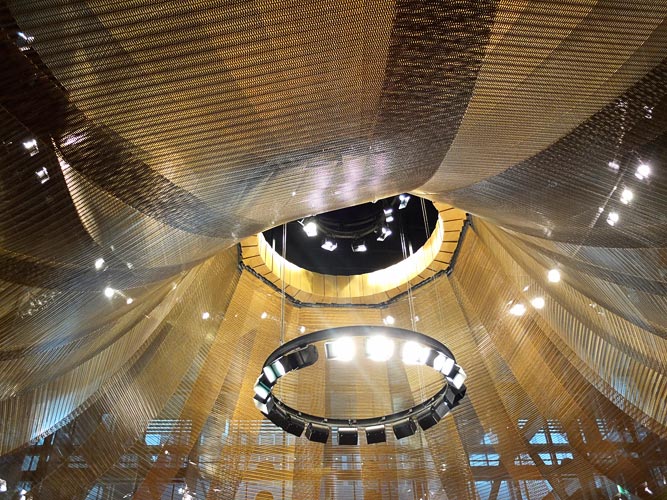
(357, 331)
(362, 331)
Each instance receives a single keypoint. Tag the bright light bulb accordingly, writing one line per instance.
(612, 218)
(537, 302)
(518, 310)
(30, 144)
(310, 229)
(342, 349)
(109, 292)
(613, 165)
(389, 320)
(414, 353)
(3, 486)
(205, 315)
(129, 300)
(643, 171)
(264, 315)
(389, 218)
(553, 276)
(443, 364)
(379, 348)
(302, 329)
(99, 263)
(329, 245)
(626, 196)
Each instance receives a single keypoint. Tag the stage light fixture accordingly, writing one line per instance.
(317, 433)
(359, 246)
(348, 436)
(389, 218)
(414, 353)
(329, 244)
(404, 428)
(385, 232)
(310, 228)
(431, 416)
(443, 364)
(403, 199)
(379, 348)
(376, 434)
(342, 349)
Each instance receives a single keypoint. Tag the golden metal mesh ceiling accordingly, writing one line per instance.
(166, 132)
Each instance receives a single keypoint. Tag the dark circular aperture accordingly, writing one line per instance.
(355, 226)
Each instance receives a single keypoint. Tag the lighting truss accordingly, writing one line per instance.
(301, 353)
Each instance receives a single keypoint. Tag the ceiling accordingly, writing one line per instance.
(167, 132)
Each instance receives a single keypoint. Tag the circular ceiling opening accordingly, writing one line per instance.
(360, 239)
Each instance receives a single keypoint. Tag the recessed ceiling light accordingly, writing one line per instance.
(553, 276)
(643, 171)
(518, 310)
(537, 302)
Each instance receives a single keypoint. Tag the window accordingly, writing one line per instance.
(484, 459)
(30, 463)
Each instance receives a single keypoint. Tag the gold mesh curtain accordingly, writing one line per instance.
(152, 136)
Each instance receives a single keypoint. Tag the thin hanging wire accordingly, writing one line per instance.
(411, 305)
(282, 286)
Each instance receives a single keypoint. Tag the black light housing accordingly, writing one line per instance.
(404, 428)
(432, 415)
(376, 434)
(317, 433)
(348, 435)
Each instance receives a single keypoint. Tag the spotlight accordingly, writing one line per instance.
(379, 348)
(388, 211)
(404, 199)
(538, 302)
(317, 433)
(329, 244)
(129, 300)
(99, 263)
(376, 434)
(342, 349)
(389, 218)
(612, 218)
(443, 364)
(613, 165)
(553, 276)
(310, 228)
(414, 353)
(264, 315)
(359, 246)
(643, 171)
(459, 378)
(404, 428)
(431, 416)
(348, 436)
(205, 315)
(43, 175)
(109, 292)
(388, 320)
(32, 147)
(385, 232)
(262, 393)
(302, 329)
(3, 486)
(626, 196)
(518, 310)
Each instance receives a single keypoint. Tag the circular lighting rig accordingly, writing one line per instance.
(417, 349)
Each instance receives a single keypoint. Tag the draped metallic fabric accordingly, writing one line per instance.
(141, 141)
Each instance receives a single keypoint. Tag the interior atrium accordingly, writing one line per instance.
(162, 162)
